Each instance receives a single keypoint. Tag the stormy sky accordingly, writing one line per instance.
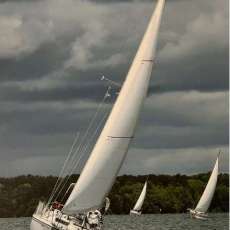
(53, 54)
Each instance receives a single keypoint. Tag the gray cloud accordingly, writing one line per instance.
(184, 161)
(139, 161)
(185, 119)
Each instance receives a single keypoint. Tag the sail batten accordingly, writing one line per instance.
(209, 191)
(112, 145)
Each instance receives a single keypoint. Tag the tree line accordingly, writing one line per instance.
(19, 196)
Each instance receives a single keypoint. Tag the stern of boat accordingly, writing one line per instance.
(197, 215)
(37, 224)
(134, 213)
(201, 216)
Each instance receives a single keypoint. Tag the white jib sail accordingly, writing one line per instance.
(209, 191)
(141, 199)
(104, 163)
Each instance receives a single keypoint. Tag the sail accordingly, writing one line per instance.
(105, 161)
(141, 199)
(209, 191)
(107, 204)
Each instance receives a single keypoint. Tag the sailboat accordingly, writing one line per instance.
(138, 206)
(82, 210)
(200, 212)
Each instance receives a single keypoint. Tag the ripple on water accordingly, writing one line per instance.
(218, 221)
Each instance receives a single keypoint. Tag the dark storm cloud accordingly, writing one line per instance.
(185, 119)
(44, 60)
(95, 1)
(50, 118)
(195, 76)
(70, 92)
(3, 1)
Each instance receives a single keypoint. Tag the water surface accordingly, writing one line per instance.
(218, 221)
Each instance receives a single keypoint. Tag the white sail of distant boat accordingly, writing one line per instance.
(138, 206)
(82, 209)
(107, 204)
(200, 212)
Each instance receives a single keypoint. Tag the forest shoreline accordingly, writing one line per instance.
(19, 195)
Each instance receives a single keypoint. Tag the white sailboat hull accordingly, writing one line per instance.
(41, 223)
(38, 224)
(134, 213)
(198, 215)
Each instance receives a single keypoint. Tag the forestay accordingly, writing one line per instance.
(209, 191)
(141, 199)
(110, 150)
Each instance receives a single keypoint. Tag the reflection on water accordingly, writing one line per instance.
(145, 222)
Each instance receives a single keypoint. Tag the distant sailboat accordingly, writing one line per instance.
(82, 210)
(138, 206)
(200, 212)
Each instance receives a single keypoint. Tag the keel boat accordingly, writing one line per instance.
(200, 212)
(138, 206)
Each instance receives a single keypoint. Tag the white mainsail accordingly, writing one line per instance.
(110, 150)
(141, 199)
(209, 191)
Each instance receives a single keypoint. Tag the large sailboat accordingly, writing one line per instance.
(200, 212)
(82, 210)
(138, 206)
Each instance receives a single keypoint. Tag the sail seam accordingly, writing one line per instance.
(147, 60)
(131, 137)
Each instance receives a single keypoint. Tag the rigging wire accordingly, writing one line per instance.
(61, 174)
(81, 144)
(83, 150)
(87, 146)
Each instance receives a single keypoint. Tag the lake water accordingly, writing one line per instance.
(145, 222)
